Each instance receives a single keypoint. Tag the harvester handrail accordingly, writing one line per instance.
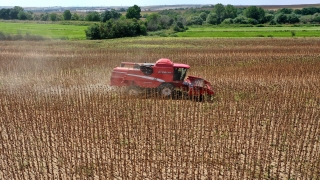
(130, 65)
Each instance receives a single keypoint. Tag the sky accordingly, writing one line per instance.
(66, 3)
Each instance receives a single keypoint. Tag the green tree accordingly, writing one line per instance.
(178, 26)
(240, 11)
(195, 20)
(310, 10)
(241, 20)
(59, 17)
(316, 18)
(181, 19)
(219, 10)
(5, 14)
(292, 18)
(203, 16)
(53, 16)
(285, 11)
(272, 22)
(25, 15)
(153, 21)
(75, 17)
(230, 11)
(116, 28)
(281, 18)
(212, 18)
(22, 15)
(36, 17)
(44, 17)
(252, 21)
(82, 17)
(93, 32)
(107, 15)
(166, 21)
(268, 17)
(297, 11)
(67, 15)
(306, 19)
(93, 16)
(15, 11)
(227, 21)
(133, 12)
(255, 13)
(107, 31)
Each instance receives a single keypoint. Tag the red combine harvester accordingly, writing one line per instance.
(164, 77)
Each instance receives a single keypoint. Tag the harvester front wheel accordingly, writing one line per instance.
(166, 90)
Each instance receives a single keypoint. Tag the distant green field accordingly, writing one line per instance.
(77, 32)
(56, 31)
(251, 32)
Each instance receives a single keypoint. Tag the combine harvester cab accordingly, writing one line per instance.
(164, 77)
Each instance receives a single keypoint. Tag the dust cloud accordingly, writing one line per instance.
(48, 69)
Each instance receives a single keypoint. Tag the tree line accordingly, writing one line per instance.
(18, 13)
(113, 24)
(229, 14)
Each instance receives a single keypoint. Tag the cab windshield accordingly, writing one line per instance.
(179, 74)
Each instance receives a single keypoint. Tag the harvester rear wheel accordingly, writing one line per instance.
(166, 90)
(133, 91)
